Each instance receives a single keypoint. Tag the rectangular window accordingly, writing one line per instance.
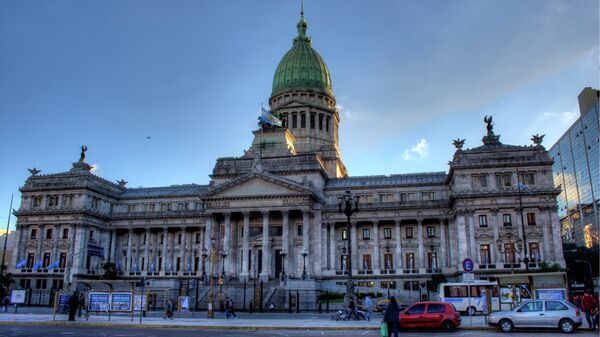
(95, 202)
(479, 180)
(163, 207)
(130, 208)
(198, 237)
(65, 234)
(180, 206)
(507, 220)
(484, 254)
(179, 239)
(299, 231)
(344, 262)
(62, 262)
(344, 234)
(36, 202)
(455, 291)
(178, 264)
(46, 260)
(327, 123)
(503, 180)
(387, 233)
(410, 261)
(430, 231)
(312, 120)
(366, 262)
(534, 252)
(321, 122)
(409, 232)
(303, 121)
(294, 121)
(531, 219)
(52, 200)
(483, 221)
(48, 233)
(509, 253)
(162, 239)
(366, 234)
(527, 178)
(33, 234)
(91, 235)
(67, 200)
(388, 261)
(30, 260)
(432, 260)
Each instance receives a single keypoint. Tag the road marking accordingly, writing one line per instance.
(282, 334)
(364, 333)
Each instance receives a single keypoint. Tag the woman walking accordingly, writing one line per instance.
(390, 317)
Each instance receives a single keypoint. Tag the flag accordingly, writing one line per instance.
(134, 267)
(37, 265)
(53, 265)
(152, 267)
(189, 267)
(117, 266)
(389, 264)
(364, 265)
(525, 188)
(267, 117)
(170, 269)
(21, 264)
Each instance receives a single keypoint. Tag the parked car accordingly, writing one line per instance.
(538, 314)
(432, 315)
(382, 304)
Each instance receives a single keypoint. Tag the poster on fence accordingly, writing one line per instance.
(140, 303)
(18, 296)
(63, 303)
(550, 294)
(184, 303)
(98, 301)
(120, 302)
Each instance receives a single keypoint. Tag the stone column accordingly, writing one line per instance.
(55, 237)
(154, 257)
(495, 256)
(164, 254)
(306, 240)
(472, 250)
(246, 248)
(113, 246)
(376, 249)
(443, 243)
(398, 247)
(129, 261)
(39, 256)
(556, 234)
(146, 265)
(183, 249)
(82, 247)
(285, 243)
(316, 253)
(422, 265)
(355, 255)
(461, 236)
(227, 241)
(332, 247)
(545, 234)
(266, 249)
(207, 243)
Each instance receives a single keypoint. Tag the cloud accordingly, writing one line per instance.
(553, 124)
(419, 151)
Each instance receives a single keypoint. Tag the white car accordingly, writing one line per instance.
(538, 314)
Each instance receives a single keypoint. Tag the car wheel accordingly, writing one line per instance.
(447, 325)
(471, 311)
(506, 325)
(566, 325)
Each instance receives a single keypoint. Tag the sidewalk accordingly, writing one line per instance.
(245, 322)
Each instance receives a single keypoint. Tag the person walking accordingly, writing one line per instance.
(595, 317)
(369, 307)
(587, 304)
(390, 317)
(169, 309)
(352, 309)
(73, 303)
(5, 303)
(229, 308)
(82, 307)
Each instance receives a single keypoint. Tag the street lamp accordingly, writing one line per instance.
(204, 256)
(282, 277)
(346, 207)
(304, 253)
(210, 313)
(223, 256)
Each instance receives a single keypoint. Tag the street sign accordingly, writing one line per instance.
(468, 277)
(468, 265)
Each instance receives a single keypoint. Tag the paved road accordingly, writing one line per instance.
(66, 331)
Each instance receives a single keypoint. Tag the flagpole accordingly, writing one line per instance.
(6, 237)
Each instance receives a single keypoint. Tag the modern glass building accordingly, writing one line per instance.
(576, 171)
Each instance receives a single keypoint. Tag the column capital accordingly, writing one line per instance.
(130, 229)
(165, 228)
(420, 221)
(375, 222)
(264, 213)
(183, 228)
(246, 214)
(397, 222)
(285, 212)
(306, 212)
(227, 215)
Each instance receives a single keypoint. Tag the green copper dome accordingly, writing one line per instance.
(302, 68)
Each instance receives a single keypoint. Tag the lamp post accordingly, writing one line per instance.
(304, 253)
(524, 242)
(348, 205)
(518, 249)
(210, 313)
(223, 256)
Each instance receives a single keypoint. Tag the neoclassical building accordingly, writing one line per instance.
(274, 210)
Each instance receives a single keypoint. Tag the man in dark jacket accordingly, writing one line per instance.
(390, 317)
(73, 303)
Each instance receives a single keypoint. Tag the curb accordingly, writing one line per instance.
(213, 327)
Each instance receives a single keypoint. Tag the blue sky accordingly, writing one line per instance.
(409, 77)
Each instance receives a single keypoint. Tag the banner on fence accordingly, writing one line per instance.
(121, 301)
(99, 301)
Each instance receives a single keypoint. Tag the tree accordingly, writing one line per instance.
(110, 271)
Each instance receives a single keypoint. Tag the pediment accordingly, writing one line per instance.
(258, 184)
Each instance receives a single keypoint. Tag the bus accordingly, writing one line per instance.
(457, 293)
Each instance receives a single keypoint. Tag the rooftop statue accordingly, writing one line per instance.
(537, 139)
(82, 157)
(34, 171)
(490, 126)
(458, 143)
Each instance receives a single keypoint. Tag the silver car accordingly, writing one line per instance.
(538, 314)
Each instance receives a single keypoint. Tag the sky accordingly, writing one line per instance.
(408, 76)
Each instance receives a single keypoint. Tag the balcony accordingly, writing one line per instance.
(487, 266)
(365, 272)
(388, 271)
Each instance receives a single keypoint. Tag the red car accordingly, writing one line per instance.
(432, 315)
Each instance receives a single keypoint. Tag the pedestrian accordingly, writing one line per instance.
(352, 309)
(73, 303)
(169, 309)
(251, 307)
(82, 307)
(229, 308)
(587, 304)
(369, 307)
(390, 317)
(272, 307)
(5, 303)
(595, 323)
